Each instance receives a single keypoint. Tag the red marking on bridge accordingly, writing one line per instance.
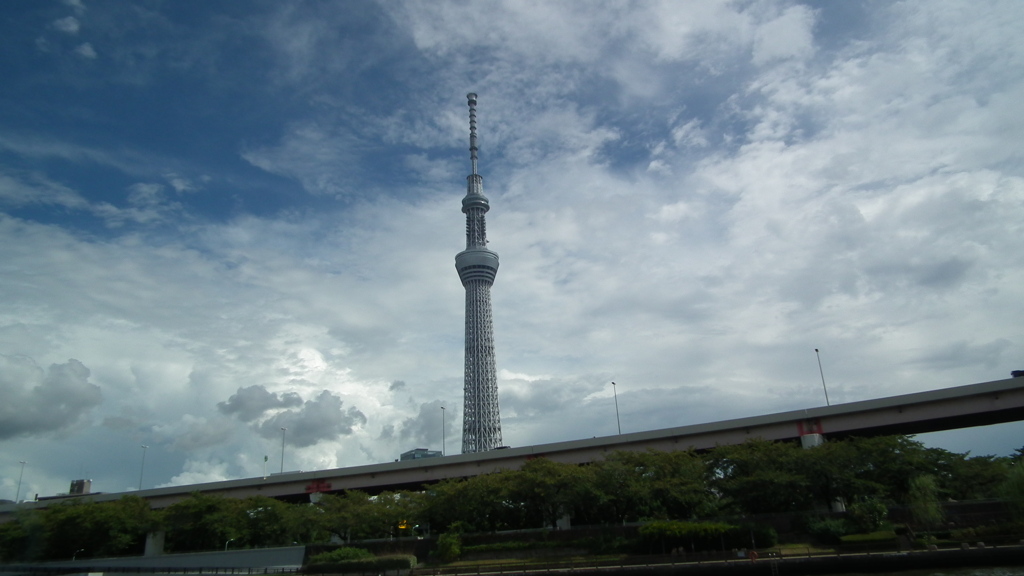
(809, 427)
(318, 486)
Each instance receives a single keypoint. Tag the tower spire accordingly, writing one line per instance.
(472, 129)
(477, 266)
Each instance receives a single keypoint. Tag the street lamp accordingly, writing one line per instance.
(142, 467)
(226, 544)
(283, 432)
(822, 372)
(442, 430)
(20, 476)
(616, 394)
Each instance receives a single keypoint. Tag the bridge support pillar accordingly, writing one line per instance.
(155, 543)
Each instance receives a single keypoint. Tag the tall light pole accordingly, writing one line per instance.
(442, 430)
(142, 467)
(822, 372)
(616, 394)
(20, 476)
(283, 432)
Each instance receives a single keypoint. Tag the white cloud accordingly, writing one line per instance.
(321, 161)
(69, 25)
(198, 472)
(85, 50)
(77, 5)
(790, 35)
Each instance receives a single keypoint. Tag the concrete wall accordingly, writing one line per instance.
(287, 558)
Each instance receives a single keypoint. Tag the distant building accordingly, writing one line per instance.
(79, 487)
(420, 453)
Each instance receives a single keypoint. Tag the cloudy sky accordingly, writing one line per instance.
(221, 219)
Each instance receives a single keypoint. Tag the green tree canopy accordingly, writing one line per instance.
(203, 522)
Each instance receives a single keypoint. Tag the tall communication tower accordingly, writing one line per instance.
(477, 266)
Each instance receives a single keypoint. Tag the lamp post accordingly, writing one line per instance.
(442, 430)
(616, 395)
(226, 544)
(20, 476)
(822, 372)
(283, 432)
(142, 467)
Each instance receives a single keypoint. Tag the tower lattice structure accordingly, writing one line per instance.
(477, 266)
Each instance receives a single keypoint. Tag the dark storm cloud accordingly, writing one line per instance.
(424, 429)
(202, 434)
(322, 418)
(36, 402)
(119, 423)
(397, 385)
(966, 353)
(252, 402)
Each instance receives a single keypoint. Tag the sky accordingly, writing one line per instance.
(220, 219)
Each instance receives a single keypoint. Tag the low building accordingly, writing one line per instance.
(419, 453)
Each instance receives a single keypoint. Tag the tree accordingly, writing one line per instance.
(203, 522)
(838, 470)
(655, 485)
(263, 523)
(86, 529)
(308, 523)
(759, 476)
(547, 491)
(389, 511)
(482, 503)
(22, 539)
(923, 502)
(617, 493)
(975, 477)
(345, 515)
(889, 463)
(1012, 488)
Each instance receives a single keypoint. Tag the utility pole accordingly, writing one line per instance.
(616, 394)
(283, 432)
(822, 372)
(142, 467)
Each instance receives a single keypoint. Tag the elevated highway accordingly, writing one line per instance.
(945, 409)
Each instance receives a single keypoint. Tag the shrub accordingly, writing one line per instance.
(373, 564)
(343, 554)
(880, 537)
(827, 530)
(509, 545)
(449, 547)
(667, 535)
(868, 515)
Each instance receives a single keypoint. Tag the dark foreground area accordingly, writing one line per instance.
(1011, 556)
(288, 560)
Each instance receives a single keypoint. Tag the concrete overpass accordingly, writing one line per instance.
(945, 409)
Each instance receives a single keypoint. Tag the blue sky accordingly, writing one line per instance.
(219, 219)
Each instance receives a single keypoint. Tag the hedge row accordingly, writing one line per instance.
(379, 565)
